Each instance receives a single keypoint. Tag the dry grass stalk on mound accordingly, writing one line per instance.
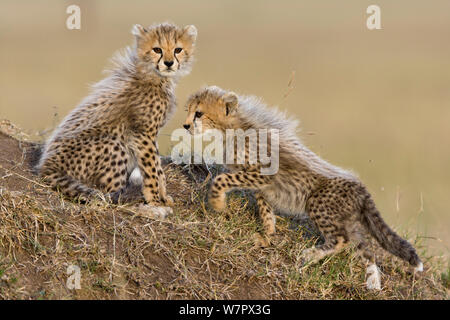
(194, 254)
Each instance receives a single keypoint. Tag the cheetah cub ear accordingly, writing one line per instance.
(190, 31)
(139, 31)
(231, 102)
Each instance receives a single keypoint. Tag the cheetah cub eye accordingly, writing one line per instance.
(198, 114)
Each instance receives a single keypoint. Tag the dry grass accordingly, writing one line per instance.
(194, 254)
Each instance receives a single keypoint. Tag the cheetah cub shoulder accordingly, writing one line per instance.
(336, 201)
(113, 131)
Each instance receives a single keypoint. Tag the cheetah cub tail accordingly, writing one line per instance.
(387, 238)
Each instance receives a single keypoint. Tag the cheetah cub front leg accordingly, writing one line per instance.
(268, 219)
(154, 181)
(163, 196)
(250, 180)
(226, 181)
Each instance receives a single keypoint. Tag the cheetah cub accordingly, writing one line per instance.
(335, 200)
(113, 131)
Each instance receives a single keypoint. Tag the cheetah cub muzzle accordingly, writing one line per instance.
(113, 131)
(336, 201)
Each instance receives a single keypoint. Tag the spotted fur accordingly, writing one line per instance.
(335, 200)
(114, 129)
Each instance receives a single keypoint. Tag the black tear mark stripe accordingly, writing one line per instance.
(157, 64)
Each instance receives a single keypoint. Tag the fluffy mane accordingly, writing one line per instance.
(254, 113)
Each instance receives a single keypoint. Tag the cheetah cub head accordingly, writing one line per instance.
(212, 108)
(165, 48)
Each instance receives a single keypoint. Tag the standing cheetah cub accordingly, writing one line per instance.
(114, 130)
(335, 200)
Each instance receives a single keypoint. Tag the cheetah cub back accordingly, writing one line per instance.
(114, 130)
(336, 201)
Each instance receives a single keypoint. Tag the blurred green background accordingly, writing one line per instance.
(377, 102)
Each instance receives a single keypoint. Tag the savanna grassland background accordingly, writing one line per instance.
(377, 102)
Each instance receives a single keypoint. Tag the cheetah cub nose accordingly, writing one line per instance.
(186, 126)
(168, 63)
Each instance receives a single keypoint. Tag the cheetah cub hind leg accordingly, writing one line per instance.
(373, 281)
(373, 275)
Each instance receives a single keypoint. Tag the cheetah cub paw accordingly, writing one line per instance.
(373, 281)
(168, 201)
(154, 212)
(261, 242)
(309, 256)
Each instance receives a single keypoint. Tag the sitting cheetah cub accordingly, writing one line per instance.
(113, 131)
(335, 200)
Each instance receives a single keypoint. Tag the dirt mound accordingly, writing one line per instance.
(194, 254)
(42, 234)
